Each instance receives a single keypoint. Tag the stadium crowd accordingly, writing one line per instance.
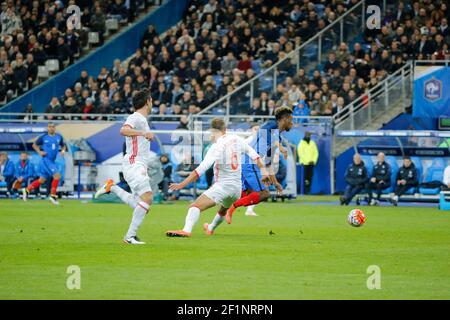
(220, 45)
(32, 32)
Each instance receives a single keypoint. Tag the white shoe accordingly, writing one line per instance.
(54, 200)
(106, 188)
(251, 213)
(133, 240)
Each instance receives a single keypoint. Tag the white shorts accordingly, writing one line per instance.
(225, 195)
(137, 178)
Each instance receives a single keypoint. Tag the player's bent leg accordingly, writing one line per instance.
(252, 198)
(201, 204)
(55, 182)
(218, 219)
(35, 184)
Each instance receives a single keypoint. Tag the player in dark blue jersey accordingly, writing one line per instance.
(266, 141)
(48, 146)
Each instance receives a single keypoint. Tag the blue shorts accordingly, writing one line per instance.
(47, 168)
(251, 178)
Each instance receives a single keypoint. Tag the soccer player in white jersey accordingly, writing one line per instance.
(225, 154)
(137, 137)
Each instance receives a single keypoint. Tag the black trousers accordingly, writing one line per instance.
(378, 187)
(308, 171)
(401, 189)
(9, 183)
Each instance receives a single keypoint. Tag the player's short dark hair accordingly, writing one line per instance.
(407, 158)
(218, 124)
(282, 112)
(140, 98)
(50, 124)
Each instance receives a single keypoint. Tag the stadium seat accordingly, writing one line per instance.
(43, 72)
(52, 65)
(392, 161)
(434, 173)
(111, 24)
(369, 164)
(93, 38)
(256, 66)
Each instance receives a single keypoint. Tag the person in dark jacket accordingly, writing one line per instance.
(6, 172)
(356, 177)
(380, 180)
(167, 169)
(407, 178)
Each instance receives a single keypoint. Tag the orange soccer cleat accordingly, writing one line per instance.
(207, 231)
(229, 214)
(178, 234)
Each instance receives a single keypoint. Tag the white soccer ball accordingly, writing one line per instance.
(356, 218)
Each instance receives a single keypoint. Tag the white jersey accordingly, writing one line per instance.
(138, 148)
(226, 155)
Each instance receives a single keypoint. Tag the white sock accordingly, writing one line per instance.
(250, 208)
(191, 219)
(126, 197)
(138, 216)
(216, 222)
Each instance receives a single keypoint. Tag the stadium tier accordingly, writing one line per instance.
(310, 139)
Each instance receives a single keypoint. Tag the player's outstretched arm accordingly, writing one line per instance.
(38, 150)
(273, 180)
(193, 176)
(127, 131)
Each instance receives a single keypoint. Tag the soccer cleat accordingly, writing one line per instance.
(133, 240)
(229, 214)
(342, 200)
(207, 231)
(24, 194)
(178, 234)
(394, 200)
(251, 213)
(106, 188)
(54, 199)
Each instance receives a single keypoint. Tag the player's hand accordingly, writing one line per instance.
(265, 179)
(175, 187)
(62, 152)
(278, 187)
(42, 153)
(373, 180)
(149, 136)
(284, 153)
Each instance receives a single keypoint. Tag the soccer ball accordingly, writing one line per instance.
(356, 218)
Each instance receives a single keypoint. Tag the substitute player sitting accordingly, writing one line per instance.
(47, 146)
(265, 143)
(225, 154)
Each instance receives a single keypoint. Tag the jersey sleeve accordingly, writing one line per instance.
(39, 140)
(248, 150)
(61, 141)
(130, 122)
(211, 156)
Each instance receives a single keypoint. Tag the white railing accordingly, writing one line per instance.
(377, 100)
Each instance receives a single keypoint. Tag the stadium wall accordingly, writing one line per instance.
(120, 47)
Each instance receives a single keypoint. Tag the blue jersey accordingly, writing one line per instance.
(265, 142)
(51, 145)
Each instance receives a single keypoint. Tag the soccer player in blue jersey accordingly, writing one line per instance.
(48, 146)
(265, 143)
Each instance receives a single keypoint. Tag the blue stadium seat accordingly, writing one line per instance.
(434, 173)
(217, 80)
(265, 83)
(368, 163)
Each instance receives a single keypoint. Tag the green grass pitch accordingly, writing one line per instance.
(293, 250)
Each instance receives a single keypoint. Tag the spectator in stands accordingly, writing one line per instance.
(380, 180)
(301, 109)
(97, 23)
(24, 171)
(407, 178)
(53, 107)
(167, 169)
(356, 177)
(308, 155)
(6, 172)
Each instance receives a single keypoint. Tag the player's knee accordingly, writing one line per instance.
(147, 198)
(264, 194)
(57, 176)
(42, 180)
